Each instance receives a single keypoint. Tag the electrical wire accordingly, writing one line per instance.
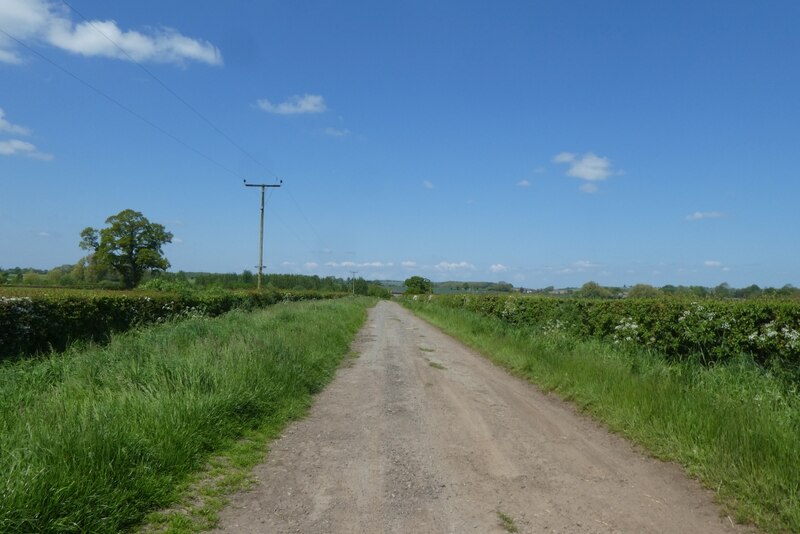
(170, 91)
(156, 126)
(195, 111)
(123, 106)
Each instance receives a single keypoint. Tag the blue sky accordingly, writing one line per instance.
(540, 143)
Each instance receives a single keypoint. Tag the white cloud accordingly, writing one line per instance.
(15, 146)
(6, 126)
(539, 170)
(43, 234)
(498, 268)
(335, 132)
(287, 264)
(311, 265)
(427, 184)
(579, 266)
(700, 215)
(7, 56)
(523, 183)
(564, 157)
(712, 263)
(354, 264)
(295, 105)
(177, 240)
(445, 266)
(408, 264)
(51, 23)
(589, 167)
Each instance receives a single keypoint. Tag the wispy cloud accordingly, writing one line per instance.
(373, 264)
(498, 268)
(588, 166)
(16, 147)
(580, 266)
(295, 105)
(427, 184)
(11, 147)
(6, 126)
(564, 157)
(51, 22)
(700, 215)
(408, 264)
(336, 132)
(311, 265)
(445, 266)
(716, 264)
(523, 183)
(585, 264)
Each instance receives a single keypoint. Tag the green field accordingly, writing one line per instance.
(93, 439)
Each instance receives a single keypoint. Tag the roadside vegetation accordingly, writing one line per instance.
(94, 438)
(732, 424)
(33, 321)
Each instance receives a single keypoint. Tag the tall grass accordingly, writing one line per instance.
(734, 426)
(93, 439)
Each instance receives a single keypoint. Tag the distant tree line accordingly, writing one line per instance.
(86, 275)
(474, 287)
(722, 291)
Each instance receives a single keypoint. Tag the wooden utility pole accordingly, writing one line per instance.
(353, 273)
(261, 236)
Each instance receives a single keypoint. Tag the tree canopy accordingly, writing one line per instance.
(416, 285)
(593, 290)
(130, 245)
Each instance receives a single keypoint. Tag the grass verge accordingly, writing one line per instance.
(93, 439)
(735, 427)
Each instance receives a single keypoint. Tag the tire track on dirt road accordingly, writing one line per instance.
(420, 434)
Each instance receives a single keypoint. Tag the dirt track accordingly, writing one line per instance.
(396, 444)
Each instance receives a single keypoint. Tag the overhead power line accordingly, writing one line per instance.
(122, 106)
(170, 91)
(195, 111)
(178, 97)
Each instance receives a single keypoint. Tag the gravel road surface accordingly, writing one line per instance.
(420, 434)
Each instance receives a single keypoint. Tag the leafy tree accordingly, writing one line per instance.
(723, 291)
(593, 290)
(361, 287)
(643, 291)
(749, 292)
(376, 290)
(31, 278)
(130, 245)
(416, 285)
